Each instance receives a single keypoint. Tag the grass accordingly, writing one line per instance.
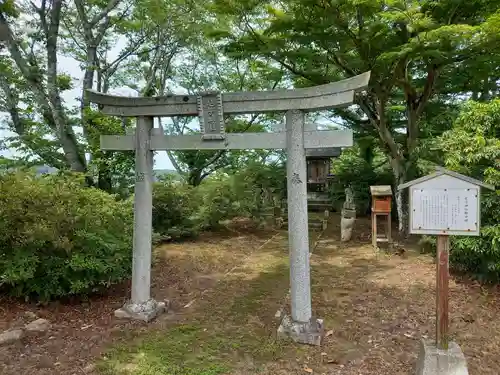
(182, 350)
(376, 308)
(226, 329)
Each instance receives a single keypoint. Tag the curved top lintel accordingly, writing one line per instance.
(355, 83)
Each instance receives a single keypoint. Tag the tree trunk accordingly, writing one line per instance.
(104, 181)
(399, 171)
(48, 99)
(195, 177)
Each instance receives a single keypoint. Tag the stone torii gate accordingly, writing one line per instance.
(211, 107)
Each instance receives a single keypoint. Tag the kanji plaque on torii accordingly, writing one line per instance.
(211, 115)
(211, 107)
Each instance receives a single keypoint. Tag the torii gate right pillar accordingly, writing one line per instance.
(298, 218)
(300, 327)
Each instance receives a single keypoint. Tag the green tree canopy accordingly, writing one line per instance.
(407, 45)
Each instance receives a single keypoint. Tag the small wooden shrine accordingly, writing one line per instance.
(381, 206)
(318, 168)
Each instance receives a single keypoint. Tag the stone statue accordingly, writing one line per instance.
(348, 216)
(349, 199)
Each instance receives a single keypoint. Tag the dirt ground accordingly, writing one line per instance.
(225, 291)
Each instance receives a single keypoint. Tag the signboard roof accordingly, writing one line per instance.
(442, 171)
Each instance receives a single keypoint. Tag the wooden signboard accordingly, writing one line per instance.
(444, 203)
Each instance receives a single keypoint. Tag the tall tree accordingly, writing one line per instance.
(205, 68)
(183, 59)
(405, 44)
(38, 70)
(35, 37)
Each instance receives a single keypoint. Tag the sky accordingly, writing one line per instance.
(71, 66)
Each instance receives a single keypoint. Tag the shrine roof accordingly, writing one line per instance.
(328, 152)
(381, 190)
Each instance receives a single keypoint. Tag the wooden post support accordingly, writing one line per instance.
(442, 276)
(388, 230)
(381, 206)
(374, 230)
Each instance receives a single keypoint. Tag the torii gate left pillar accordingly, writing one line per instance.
(210, 107)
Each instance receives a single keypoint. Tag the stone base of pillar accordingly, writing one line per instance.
(310, 333)
(434, 361)
(145, 311)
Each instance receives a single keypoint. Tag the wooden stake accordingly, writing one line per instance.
(389, 228)
(442, 276)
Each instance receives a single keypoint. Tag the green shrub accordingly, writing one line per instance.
(472, 147)
(250, 192)
(478, 257)
(217, 201)
(58, 237)
(259, 187)
(427, 245)
(173, 210)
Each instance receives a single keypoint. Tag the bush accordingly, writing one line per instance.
(217, 201)
(427, 245)
(223, 197)
(260, 187)
(59, 238)
(173, 210)
(479, 256)
(472, 147)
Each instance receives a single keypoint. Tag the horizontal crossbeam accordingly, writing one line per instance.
(315, 98)
(233, 141)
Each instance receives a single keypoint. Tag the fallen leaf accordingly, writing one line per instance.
(408, 335)
(468, 319)
(309, 370)
(329, 333)
(324, 353)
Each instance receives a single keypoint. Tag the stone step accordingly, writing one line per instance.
(315, 196)
(312, 209)
(312, 225)
(319, 202)
(319, 207)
